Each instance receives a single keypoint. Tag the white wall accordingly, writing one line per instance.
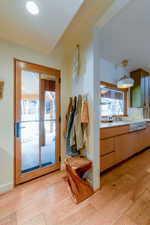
(7, 53)
(110, 72)
(88, 84)
(79, 32)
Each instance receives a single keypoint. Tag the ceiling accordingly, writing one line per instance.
(127, 36)
(40, 32)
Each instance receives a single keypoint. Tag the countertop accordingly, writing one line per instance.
(121, 123)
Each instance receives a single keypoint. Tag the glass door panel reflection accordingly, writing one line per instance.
(48, 144)
(30, 146)
(38, 122)
(29, 96)
(29, 126)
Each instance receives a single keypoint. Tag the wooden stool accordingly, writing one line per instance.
(76, 167)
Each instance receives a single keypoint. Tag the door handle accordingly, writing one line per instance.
(17, 129)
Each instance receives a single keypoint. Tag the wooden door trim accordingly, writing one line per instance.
(38, 68)
(37, 173)
(18, 177)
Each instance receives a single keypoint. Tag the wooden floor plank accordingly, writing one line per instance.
(124, 199)
(9, 220)
(38, 220)
(140, 210)
(125, 220)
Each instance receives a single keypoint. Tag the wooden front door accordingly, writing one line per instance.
(37, 120)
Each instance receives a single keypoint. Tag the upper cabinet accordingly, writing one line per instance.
(140, 91)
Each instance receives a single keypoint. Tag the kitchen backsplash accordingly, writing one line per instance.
(135, 113)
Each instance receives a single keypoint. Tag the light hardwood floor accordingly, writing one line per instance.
(124, 199)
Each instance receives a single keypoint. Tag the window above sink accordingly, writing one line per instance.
(113, 101)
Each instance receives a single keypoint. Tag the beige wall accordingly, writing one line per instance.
(110, 72)
(7, 52)
(80, 32)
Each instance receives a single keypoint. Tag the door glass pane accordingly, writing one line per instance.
(29, 126)
(49, 133)
(50, 105)
(29, 96)
(48, 147)
(29, 146)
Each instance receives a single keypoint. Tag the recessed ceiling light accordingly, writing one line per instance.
(32, 8)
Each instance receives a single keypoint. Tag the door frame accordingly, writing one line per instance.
(18, 65)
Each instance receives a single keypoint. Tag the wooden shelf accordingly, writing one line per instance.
(76, 168)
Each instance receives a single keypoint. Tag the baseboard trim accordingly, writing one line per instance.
(5, 188)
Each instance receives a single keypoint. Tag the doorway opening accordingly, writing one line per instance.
(37, 120)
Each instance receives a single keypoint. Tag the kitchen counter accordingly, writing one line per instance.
(121, 123)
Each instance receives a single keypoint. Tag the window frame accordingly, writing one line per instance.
(114, 87)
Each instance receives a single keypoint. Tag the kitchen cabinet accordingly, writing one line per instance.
(144, 138)
(126, 145)
(113, 131)
(107, 161)
(118, 144)
(107, 146)
(139, 92)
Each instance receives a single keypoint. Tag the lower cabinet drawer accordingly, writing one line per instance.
(107, 161)
(107, 146)
(113, 131)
